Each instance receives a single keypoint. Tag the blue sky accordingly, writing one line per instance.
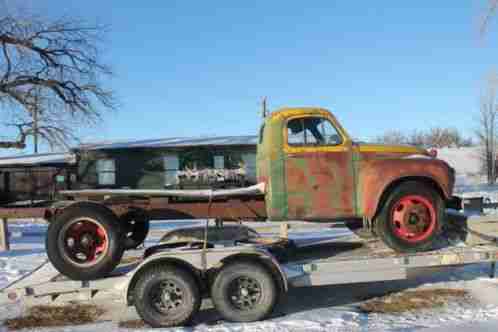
(189, 68)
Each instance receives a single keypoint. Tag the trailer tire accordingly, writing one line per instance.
(412, 218)
(137, 226)
(85, 242)
(244, 292)
(170, 286)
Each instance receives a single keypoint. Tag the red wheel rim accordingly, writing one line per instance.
(413, 218)
(85, 241)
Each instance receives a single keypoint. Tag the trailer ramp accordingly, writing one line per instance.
(46, 286)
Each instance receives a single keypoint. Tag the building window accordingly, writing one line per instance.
(106, 172)
(312, 131)
(249, 163)
(219, 162)
(171, 166)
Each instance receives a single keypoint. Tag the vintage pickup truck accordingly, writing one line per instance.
(308, 169)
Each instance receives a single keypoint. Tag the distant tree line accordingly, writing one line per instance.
(487, 127)
(436, 137)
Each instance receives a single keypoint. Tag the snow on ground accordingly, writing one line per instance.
(469, 180)
(328, 308)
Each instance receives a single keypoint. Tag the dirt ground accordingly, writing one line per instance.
(414, 300)
(50, 316)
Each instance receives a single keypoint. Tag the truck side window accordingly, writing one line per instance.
(295, 132)
(312, 131)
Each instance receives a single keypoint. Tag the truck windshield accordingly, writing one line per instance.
(312, 131)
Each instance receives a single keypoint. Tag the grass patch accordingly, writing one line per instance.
(414, 300)
(50, 316)
(133, 324)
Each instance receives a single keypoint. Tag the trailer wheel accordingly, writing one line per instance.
(244, 292)
(137, 228)
(84, 242)
(412, 218)
(166, 296)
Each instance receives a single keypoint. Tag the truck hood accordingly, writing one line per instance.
(387, 149)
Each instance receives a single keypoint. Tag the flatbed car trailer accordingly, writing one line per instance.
(244, 279)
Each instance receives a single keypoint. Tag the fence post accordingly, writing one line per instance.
(4, 235)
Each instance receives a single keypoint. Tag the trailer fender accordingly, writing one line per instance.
(267, 261)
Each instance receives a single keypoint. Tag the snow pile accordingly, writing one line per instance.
(13, 267)
(466, 162)
(469, 180)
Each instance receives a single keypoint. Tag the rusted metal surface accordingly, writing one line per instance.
(251, 209)
(24, 212)
(243, 208)
(377, 173)
(328, 182)
(319, 185)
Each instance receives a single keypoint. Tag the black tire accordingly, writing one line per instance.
(430, 229)
(148, 292)
(67, 263)
(137, 226)
(226, 283)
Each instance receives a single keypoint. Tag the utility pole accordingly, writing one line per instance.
(35, 129)
(263, 104)
(35, 120)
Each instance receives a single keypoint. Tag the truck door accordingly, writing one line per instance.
(319, 174)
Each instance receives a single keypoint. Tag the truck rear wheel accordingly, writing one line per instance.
(85, 242)
(411, 218)
(166, 296)
(244, 292)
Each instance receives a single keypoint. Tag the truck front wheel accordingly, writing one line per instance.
(411, 219)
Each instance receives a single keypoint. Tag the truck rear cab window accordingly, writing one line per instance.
(314, 131)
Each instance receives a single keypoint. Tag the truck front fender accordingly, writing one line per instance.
(379, 177)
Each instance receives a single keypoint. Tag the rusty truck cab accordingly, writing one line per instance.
(305, 157)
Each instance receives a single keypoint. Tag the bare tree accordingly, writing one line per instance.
(435, 137)
(391, 137)
(491, 7)
(417, 138)
(486, 132)
(438, 137)
(50, 79)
